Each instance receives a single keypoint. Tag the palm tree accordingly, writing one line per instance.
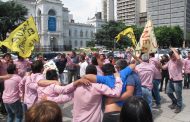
(11, 15)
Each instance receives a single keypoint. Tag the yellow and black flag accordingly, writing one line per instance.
(23, 38)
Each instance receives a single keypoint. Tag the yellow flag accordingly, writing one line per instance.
(129, 33)
(23, 38)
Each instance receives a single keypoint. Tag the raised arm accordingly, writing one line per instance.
(175, 53)
(5, 77)
(44, 83)
(61, 99)
(70, 87)
(114, 92)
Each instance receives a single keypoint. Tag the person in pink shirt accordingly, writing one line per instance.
(22, 65)
(187, 71)
(157, 78)
(54, 90)
(146, 73)
(4, 62)
(175, 66)
(11, 96)
(29, 84)
(87, 100)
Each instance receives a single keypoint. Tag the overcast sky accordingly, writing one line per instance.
(82, 9)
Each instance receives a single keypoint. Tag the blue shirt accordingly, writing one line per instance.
(110, 79)
(132, 80)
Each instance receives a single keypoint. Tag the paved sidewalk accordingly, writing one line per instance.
(164, 114)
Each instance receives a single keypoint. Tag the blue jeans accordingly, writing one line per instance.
(14, 110)
(155, 90)
(177, 88)
(147, 95)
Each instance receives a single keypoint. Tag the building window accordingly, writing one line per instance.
(52, 22)
(51, 12)
(76, 44)
(75, 33)
(70, 33)
(81, 43)
(81, 33)
(86, 33)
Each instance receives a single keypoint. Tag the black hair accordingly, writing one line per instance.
(39, 54)
(121, 63)
(108, 69)
(152, 54)
(51, 75)
(82, 57)
(6, 54)
(91, 69)
(94, 61)
(11, 68)
(136, 109)
(37, 66)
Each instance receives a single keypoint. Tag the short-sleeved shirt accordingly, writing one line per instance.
(132, 80)
(110, 79)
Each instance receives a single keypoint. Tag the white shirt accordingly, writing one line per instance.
(83, 68)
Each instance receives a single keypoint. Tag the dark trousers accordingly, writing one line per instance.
(2, 108)
(111, 116)
(166, 78)
(186, 80)
(71, 74)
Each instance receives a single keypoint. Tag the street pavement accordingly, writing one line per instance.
(164, 114)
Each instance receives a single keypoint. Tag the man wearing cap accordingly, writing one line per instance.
(174, 67)
(146, 73)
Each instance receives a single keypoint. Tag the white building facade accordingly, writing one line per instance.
(53, 25)
(96, 21)
(80, 34)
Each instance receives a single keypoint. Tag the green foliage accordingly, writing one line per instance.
(169, 36)
(90, 43)
(11, 15)
(106, 35)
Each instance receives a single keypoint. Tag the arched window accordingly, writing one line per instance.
(81, 33)
(70, 33)
(52, 23)
(76, 44)
(75, 33)
(81, 43)
(51, 12)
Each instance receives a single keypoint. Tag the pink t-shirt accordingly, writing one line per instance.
(88, 100)
(54, 91)
(175, 69)
(156, 63)
(11, 90)
(146, 73)
(29, 86)
(187, 66)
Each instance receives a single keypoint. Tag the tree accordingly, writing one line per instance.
(11, 15)
(106, 35)
(169, 36)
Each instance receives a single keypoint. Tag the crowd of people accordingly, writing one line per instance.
(101, 88)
